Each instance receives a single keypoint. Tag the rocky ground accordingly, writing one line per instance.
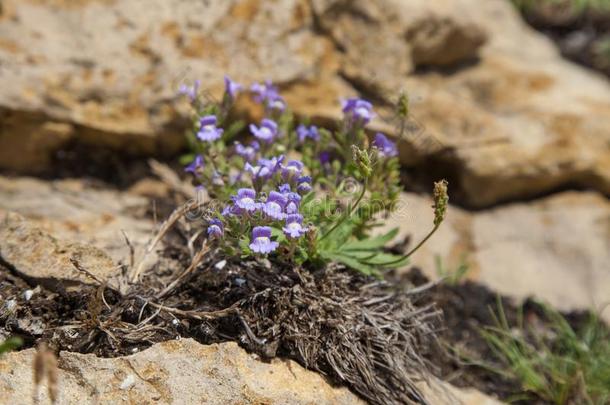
(89, 93)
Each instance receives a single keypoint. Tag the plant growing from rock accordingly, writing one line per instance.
(293, 191)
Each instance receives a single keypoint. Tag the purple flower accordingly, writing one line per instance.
(208, 131)
(294, 226)
(276, 103)
(385, 146)
(304, 184)
(324, 157)
(292, 168)
(246, 199)
(190, 91)
(274, 206)
(357, 111)
(267, 93)
(264, 92)
(230, 210)
(258, 171)
(231, 87)
(247, 152)
(195, 166)
(294, 200)
(303, 133)
(266, 132)
(284, 189)
(261, 240)
(215, 228)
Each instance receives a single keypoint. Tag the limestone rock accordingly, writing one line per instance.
(517, 123)
(495, 105)
(43, 259)
(174, 372)
(77, 212)
(556, 249)
(110, 70)
(186, 372)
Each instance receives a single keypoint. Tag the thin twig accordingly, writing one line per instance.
(194, 263)
(92, 276)
(200, 315)
(165, 227)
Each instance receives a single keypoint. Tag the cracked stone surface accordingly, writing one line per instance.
(505, 121)
(40, 257)
(186, 372)
(75, 211)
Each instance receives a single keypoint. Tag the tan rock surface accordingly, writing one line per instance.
(186, 372)
(43, 259)
(174, 372)
(556, 248)
(77, 212)
(497, 106)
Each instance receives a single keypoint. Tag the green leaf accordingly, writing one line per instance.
(380, 259)
(350, 262)
(244, 245)
(10, 344)
(371, 243)
(278, 234)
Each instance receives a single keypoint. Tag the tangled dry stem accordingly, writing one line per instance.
(357, 330)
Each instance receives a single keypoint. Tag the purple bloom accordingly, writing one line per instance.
(266, 132)
(208, 131)
(304, 184)
(190, 91)
(294, 226)
(303, 133)
(267, 93)
(265, 167)
(247, 152)
(293, 168)
(358, 111)
(258, 171)
(274, 206)
(385, 146)
(294, 200)
(215, 228)
(276, 103)
(195, 166)
(284, 189)
(324, 157)
(230, 210)
(231, 87)
(246, 199)
(264, 92)
(261, 240)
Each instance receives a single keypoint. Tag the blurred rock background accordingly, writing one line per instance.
(88, 90)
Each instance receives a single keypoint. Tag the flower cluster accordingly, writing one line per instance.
(284, 186)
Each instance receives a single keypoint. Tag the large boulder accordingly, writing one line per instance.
(494, 105)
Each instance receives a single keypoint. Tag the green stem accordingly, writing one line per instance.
(407, 255)
(349, 212)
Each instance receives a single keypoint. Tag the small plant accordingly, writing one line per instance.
(10, 344)
(562, 366)
(451, 277)
(297, 192)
